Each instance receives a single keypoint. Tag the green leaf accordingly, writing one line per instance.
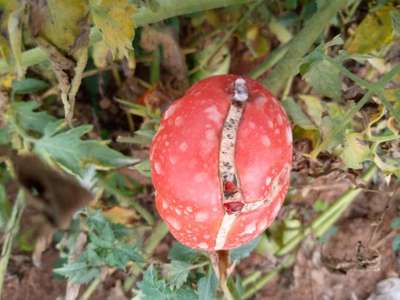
(28, 118)
(396, 243)
(152, 288)
(395, 223)
(320, 205)
(296, 114)
(144, 167)
(182, 253)
(4, 136)
(324, 77)
(5, 207)
(178, 272)
(207, 286)
(355, 151)
(395, 14)
(313, 108)
(78, 272)
(330, 124)
(28, 85)
(74, 154)
(244, 250)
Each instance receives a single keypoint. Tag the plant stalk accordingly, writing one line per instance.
(11, 232)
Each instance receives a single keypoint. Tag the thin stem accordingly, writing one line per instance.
(158, 233)
(299, 45)
(91, 288)
(11, 232)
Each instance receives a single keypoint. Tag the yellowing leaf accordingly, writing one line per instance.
(114, 18)
(6, 81)
(64, 22)
(100, 53)
(374, 32)
(120, 215)
(355, 150)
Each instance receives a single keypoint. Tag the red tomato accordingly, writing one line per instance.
(212, 198)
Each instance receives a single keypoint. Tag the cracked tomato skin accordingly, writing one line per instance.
(184, 162)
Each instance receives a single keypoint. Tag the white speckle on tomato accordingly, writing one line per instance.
(200, 177)
(178, 121)
(270, 124)
(280, 120)
(249, 229)
(275, 211)
(164, 204)
(157, 167)
(277, 131)
(202, 246)
(213, 114)
(289, 136)
(201, 216)
(252, 125)
(170, 111)
(265, 141)
(172, 159)
(215, 209)
(189, 209)
(206, 147)
(174, 223)
(260, 102)
(206, 236)
(262, 225)
(166, 144)
(178, 211)
(210, 135)
(268, 180)
(183, 146)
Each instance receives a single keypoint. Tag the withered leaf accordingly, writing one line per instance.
(57, 195)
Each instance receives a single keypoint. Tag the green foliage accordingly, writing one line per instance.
(396, 243)
(60, 144)
(325, 79)
(28, 85)
(395, 223)
(182, 253)
(320, 205)
(178, 272)
(27, 116)
(151, 287)
(107, 247)
(207, 285)
(68, 149)
(395, 15)
(244, 250)
(355, 151)
(5, 208)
